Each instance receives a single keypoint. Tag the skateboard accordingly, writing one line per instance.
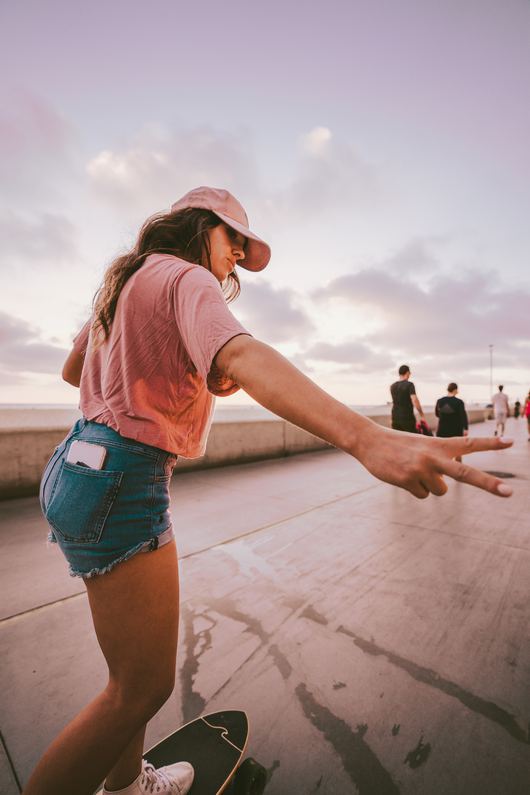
(214, 744)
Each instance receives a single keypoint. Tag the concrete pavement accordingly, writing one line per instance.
(378, 643)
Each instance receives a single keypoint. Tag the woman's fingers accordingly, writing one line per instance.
(419, 465)
(462, 445)
(437, 486)
(418, 489)
(475, 477)
(432, 483)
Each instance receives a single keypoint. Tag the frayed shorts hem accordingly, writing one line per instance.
(144, 546)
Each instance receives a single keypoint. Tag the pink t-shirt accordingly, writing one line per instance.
(153, 379)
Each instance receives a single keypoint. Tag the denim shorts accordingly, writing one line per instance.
(101, 517)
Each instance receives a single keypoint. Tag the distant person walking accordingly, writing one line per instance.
(452, 415)
(501, 410)
(404, 401)
(526, 413)
(517, 409)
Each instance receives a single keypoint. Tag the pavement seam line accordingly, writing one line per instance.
(457, 535)
(42, 607)
(10, 762)
(207, 549)
(277, 522)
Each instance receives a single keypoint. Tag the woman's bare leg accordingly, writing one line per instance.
(129, 765)
(135, 613)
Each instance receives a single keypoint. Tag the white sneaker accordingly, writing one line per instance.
(171, 779)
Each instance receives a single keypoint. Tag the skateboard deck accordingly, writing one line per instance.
(214, 744)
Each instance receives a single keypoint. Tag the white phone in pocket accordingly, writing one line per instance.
(86, 454)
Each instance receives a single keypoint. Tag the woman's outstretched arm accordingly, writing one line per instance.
(73, 367)
(411, 461)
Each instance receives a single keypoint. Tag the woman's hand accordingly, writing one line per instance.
(419, 463)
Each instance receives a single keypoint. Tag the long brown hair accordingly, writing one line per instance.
(182, 234)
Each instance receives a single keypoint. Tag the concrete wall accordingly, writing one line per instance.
(25, 451)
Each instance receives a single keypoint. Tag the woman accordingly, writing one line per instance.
(161, 342)
(452, 416)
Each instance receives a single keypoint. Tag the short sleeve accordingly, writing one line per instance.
(80, 341)
(205, 324)
(412, 388)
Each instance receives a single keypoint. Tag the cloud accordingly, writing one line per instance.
(330, 177)
(272, 313)
(415, 257)
(9, 379)
(448, 320)
(316, 142)
(358, 356)
(30, 241)
(157, 166)
(30, 124)
(21, 349)
(38, 146)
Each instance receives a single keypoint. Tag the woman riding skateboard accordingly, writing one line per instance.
(160, 344)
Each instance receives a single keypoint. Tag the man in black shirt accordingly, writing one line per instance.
(404, 401)
(452, 415)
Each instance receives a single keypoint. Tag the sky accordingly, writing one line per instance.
(381, 148)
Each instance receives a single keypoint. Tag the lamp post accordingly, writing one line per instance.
(491, 370)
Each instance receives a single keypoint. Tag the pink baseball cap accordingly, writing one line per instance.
(229, 210)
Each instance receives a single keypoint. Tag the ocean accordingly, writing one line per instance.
(57, 415)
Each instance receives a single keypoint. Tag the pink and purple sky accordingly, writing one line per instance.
(381, 148)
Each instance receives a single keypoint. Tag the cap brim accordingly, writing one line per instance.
(257, 252)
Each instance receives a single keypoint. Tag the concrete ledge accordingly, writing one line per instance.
(240, 442)
(24, 452)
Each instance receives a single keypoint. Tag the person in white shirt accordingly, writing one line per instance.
(501, 410)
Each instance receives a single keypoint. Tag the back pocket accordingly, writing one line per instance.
(48, 469)
(81, 502)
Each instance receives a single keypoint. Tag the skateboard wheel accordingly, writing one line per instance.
(250, 778)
